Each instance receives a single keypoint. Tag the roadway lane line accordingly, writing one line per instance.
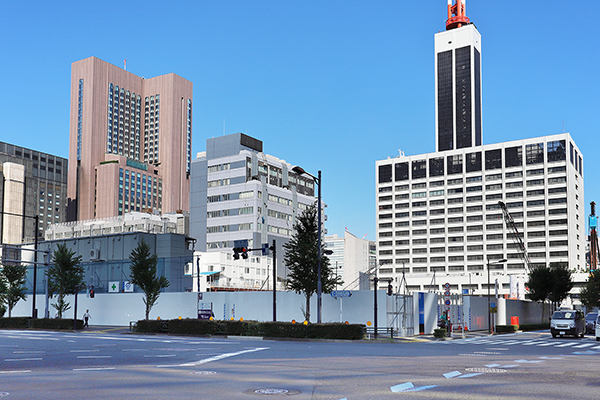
(160, 356)
(222, 356)
(84, 351)
(93, 357)
(23, 359)
(27, 352)
(93, 369)
(15, 372)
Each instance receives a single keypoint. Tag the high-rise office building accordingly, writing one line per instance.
(458, 82)
(439, 217)
(239, 193)
(130, 141)
(34, 185)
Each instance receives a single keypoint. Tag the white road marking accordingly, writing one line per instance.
(84, 351)
(92, 369)
(450, 375)
(27, 352)
(470, 375)
(93, 357)
(402, 387)
(528, 361)
(581, 346)
(567, 344)
(160, 355)
(222, 356)
(15, 372)
(23, 359)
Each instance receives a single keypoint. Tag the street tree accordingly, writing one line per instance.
(14, 279)
(143, 274)
(590, 294)
(562, 282)
(301, 257)
(539, 284)
(65, 276)
(3, 290)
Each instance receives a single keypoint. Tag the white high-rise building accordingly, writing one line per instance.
(241, 195)
(438, 214)
(350, 260)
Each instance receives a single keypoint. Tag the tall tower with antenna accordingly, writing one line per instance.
(458, 82)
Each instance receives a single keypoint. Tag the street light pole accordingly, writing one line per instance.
(319, 248)
(299, 170)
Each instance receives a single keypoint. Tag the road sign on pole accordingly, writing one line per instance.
(341, 293)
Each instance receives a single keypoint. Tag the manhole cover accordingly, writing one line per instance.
(204, 373)
(486, 370)
(272, 391)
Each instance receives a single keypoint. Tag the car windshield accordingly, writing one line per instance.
(591, 317)
(563, 315)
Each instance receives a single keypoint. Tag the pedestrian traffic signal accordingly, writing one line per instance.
(240, 250)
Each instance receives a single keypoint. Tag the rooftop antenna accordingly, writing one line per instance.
(457, 15)
(125, 64)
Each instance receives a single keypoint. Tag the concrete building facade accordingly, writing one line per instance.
(350, 260)
(239, 193)
(130, 141)
(33, 184)
(438, 215)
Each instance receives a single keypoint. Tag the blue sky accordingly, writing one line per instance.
(330, 85)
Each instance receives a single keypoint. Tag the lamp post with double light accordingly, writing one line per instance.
(300, 171)
(489, 263)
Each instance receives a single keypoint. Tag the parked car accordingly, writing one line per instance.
(567, 322)
(590, 322)
(598, 328)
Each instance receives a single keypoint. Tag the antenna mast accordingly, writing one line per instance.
(457, 15)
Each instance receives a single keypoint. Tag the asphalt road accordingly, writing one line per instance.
(107, 364)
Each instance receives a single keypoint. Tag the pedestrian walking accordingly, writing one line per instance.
(86, 318)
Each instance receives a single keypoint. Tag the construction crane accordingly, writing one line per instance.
(510, 223)
(594, 250)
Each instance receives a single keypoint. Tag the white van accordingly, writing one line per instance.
(598, 328)
(567, 322)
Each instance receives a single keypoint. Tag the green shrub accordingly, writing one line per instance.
(253, 328)
(39, 323)
(439, 333)
(534, 327)
(506, 328)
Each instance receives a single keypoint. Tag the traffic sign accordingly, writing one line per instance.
(447, 293)
(447, 302)
(447, 285)
(341, 293)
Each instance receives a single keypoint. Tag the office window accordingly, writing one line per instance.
(473, 162)
(419, 169)
(455, 164)
(534, 153)
(385, 173)
(493, 159)
(513, 156)
(557, 151)
(436, 166)
(401, 171)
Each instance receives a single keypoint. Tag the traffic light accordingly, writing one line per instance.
(389, 291)
(240, 250)
(92, 294)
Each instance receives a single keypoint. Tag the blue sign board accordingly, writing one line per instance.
(341, 293)
(240, 243)
(265, 249)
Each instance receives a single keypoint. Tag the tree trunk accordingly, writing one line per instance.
(308, 308)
